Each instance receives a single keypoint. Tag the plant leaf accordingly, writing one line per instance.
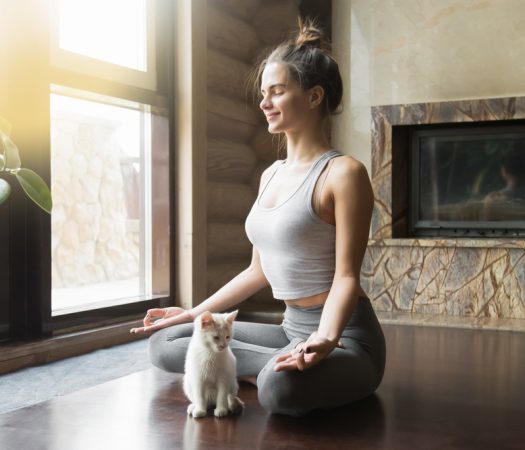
(5, 190)
(11, 156)
(35, 188)
(5, 126)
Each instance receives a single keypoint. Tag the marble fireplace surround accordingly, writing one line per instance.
(450, 282)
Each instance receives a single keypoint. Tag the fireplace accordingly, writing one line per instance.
(439, 250)
(465, 180)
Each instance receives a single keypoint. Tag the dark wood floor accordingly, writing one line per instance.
(443, 389)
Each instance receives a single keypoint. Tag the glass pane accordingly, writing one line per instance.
(472, 178)
(108, 30)
(110, 239)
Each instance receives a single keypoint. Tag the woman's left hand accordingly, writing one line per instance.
(306, 354)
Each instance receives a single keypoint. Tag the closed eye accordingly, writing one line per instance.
(216, 338)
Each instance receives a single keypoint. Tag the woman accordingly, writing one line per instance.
(309, 228)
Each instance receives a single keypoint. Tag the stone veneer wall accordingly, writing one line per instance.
(93, 240)
(448, 277)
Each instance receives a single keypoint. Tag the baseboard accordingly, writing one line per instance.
(18, 355)
(438, 320)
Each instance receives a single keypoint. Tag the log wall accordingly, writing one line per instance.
(239, 147)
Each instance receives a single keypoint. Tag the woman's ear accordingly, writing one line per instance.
(316, 96)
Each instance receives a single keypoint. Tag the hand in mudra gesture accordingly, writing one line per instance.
(306, 354)
(158, 318)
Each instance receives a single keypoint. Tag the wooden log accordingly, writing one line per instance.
(234, 109)
(243, 9)
(231, 119)
(230, 161)
(230, 35)
(275, 20)
(229, 202)
(220, 273)
(228, 76)
(220, 127)
(266, 145)
(227, 241)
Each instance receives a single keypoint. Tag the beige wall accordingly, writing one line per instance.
(407, 51)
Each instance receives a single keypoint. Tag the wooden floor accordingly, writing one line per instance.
(443, 389)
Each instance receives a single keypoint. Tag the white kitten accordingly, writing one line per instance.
(210, 367)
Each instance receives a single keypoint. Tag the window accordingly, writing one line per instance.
(98, 107)
(119, 38)
(102, 168)
(108, 39)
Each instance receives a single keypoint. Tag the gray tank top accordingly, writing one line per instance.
(296, 247)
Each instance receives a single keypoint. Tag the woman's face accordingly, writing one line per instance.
(285, 104)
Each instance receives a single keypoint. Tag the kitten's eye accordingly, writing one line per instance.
(227, 337)
(216, 338)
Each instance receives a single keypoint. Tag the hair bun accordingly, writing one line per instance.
(310, 34)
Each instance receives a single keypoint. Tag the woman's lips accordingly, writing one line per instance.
(271, 116)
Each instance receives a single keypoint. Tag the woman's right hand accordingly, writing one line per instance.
(158, 318)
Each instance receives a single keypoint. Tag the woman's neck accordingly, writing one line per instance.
(303, 148)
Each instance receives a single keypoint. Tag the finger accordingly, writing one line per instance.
(299, 349)
(318, 347)
(312, 348)
(144, 330)
(283, 357)
(301, 365)
(340, 344)
(150, 315)
(137, 330)
(287, 366)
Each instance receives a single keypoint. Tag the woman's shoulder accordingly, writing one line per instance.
(348, 176)
(345, 166)
(271, 167)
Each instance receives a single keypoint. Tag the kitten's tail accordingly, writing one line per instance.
(235, 404)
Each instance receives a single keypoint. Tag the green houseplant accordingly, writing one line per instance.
(32, 184)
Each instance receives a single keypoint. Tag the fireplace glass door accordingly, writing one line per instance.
(468, 181)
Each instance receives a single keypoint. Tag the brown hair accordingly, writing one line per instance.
(307, 56)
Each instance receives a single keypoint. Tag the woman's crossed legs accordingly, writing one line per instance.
(344, 376)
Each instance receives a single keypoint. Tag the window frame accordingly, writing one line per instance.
(27, 262)
(66, 60)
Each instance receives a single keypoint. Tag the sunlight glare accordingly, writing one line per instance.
(107, 30)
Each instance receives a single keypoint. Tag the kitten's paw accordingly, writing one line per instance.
(220, 412)
(235, 404)
(197, 413)
(191, 406)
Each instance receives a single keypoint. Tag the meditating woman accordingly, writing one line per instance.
(309, 228)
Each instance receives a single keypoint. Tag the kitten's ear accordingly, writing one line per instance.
(206, 319)
(231, 316)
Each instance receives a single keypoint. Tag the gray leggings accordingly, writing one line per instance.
(344, 376)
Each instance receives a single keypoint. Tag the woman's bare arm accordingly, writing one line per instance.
(353, 201)
(244, 285)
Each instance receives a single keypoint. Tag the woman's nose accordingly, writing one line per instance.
(265, 103)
